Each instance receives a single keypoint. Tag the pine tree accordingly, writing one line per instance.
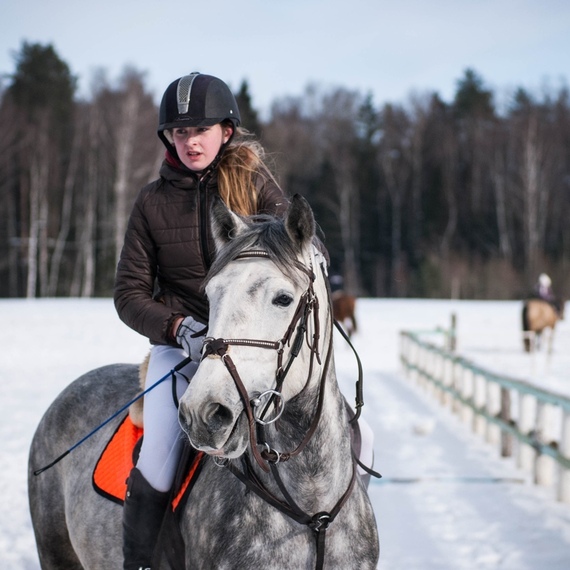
(249, 116)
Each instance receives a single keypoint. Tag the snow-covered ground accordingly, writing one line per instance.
(446, 502)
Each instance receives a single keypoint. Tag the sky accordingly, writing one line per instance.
(446, 500)
(389, 49)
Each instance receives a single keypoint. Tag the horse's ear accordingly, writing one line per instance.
(300, 222)
(225, 224)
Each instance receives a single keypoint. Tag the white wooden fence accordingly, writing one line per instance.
(520, 419)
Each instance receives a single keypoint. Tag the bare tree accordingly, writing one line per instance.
(534, 191)
(395, 156)
(499, 176)
(419, 121)
(449, 185)
(10, 259)
(61, 241)
(83, 282)
(338, 122)
(39, 175)
(125, 131)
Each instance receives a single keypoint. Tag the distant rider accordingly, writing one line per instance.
(543, 290)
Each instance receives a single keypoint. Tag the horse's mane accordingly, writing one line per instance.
(264, 233)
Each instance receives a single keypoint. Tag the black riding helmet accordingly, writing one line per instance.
(196, 100)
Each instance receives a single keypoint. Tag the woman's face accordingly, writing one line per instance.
(198, 146)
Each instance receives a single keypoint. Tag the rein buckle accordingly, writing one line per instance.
(320, 521)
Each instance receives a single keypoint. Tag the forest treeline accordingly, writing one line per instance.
(422, 198)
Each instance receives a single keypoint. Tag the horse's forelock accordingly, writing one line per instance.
(267, 234)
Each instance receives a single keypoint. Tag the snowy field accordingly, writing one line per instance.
(447, 502)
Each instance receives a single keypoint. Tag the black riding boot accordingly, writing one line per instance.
(143, 512)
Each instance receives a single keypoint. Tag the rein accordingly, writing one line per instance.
(268, 459)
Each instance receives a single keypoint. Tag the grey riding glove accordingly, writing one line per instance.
(186, 339)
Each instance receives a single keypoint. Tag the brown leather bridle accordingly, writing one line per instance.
(308, 305)
(295, 335)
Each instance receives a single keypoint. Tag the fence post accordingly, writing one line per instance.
(526, 455)
(412, 352)
(456, 383)
(493, 406)
(506, 438)
(447, 379)
(452, 334)
(417, 361)
(544, 464)
(467, 392)
(402, 347)
(430, 372)
(564, 474)
(479, 400)
(439, 371)
(420, 363)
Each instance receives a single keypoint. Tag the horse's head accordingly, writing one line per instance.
(261, 292)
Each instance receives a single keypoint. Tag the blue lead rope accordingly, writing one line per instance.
(178, 367)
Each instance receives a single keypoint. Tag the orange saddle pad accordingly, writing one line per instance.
(116, 461)
(113, 467)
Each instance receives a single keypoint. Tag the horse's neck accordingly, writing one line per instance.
(331, 442)
(322, 470)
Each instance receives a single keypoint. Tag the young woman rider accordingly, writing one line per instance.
(167, 252)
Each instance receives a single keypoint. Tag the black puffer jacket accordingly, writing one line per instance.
(168, 250)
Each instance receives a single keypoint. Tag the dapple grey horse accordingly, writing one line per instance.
(279, 487)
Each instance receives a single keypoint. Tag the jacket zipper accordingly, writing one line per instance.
(203, 224)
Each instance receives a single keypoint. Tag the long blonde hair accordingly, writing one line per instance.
(242, 162)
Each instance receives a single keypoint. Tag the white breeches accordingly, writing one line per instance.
(163, 437)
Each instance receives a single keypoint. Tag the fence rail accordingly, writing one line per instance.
(521, 419)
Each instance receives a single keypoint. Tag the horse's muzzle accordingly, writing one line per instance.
(215, 428)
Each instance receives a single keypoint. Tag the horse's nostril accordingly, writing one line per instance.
(218, 417)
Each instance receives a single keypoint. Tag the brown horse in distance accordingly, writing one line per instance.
(343, 310)
(537, 316)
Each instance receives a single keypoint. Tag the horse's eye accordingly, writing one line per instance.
(283, 300)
